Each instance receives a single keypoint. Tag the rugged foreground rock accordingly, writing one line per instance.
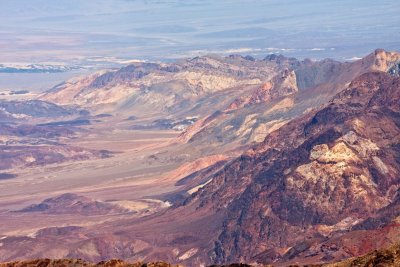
(383, 258)
(81, 263)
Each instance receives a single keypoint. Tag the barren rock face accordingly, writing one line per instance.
(385, 60)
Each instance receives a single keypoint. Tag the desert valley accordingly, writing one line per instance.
(236, 159)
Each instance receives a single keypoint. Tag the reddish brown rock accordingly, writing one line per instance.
(313, 179)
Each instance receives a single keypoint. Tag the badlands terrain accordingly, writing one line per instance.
(207, 160)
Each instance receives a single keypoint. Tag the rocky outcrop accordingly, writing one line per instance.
(382, 60)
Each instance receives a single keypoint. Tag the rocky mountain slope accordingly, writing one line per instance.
(163, 87)
(321, 186)
(306, 85)
(235, 100)
(320, 176)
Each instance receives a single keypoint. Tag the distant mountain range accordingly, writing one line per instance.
(36, 68)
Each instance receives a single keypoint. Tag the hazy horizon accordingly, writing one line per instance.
(88, 32)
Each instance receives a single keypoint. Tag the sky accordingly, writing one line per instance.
(91, 31)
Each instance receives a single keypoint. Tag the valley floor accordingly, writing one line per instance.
(133, 176)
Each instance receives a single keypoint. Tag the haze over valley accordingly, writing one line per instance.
(199, 133)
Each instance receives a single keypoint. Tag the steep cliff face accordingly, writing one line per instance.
(317, 176)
